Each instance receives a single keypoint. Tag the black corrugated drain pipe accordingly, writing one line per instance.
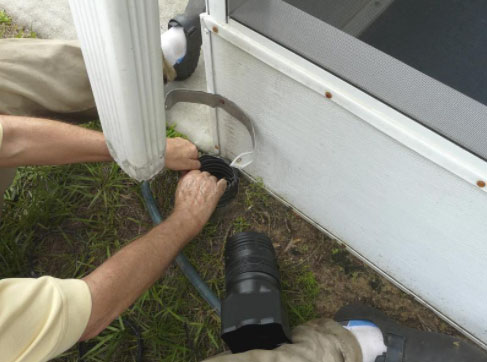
(220, 168)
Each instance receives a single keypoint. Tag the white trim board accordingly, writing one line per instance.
(400, 196)
(210, 81)
(389, 121)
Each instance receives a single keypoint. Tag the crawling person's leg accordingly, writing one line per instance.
(44, 78)
(321, 340)
(47, 78)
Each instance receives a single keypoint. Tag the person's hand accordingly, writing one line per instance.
(181, 155)
(196, 198)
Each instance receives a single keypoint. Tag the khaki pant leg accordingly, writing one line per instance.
(48, 78)
(44, 78)
(322, 340)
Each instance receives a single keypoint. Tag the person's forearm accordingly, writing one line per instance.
(32, 141)
(118, 282)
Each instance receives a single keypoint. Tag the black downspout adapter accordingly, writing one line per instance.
(253, 315)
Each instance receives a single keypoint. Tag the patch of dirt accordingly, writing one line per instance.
(343, 279)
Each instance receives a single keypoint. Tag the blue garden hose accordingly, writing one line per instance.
(183, 263)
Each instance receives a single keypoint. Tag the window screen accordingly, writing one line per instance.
(425, 58)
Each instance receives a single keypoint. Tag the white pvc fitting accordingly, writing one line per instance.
(120, 41)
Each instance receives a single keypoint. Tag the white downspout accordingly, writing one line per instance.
(120, 41)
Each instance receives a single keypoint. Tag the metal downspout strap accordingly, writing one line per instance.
(215, 100)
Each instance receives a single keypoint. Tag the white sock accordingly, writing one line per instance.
(173, 44)
(369, 337)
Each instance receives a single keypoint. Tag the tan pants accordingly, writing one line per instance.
(321, 340)
(47, 78)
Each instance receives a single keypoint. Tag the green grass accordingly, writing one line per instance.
(256, 195)
(240, 224)
(10, 30)
(65, 220)
(300, 292)
(171, 132)
(4, 18)
(25, 33)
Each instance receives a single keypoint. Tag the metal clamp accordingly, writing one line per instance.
(215, 100)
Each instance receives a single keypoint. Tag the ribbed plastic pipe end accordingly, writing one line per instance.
(219, 168)
(250, 252)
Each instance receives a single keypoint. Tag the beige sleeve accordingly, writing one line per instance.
(41, 318)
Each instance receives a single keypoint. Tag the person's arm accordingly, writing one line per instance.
(34, 141)
(118, 282)
(41, 318)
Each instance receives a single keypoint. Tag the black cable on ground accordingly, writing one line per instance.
(83, 349)
(183, 263)
(140, 341)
